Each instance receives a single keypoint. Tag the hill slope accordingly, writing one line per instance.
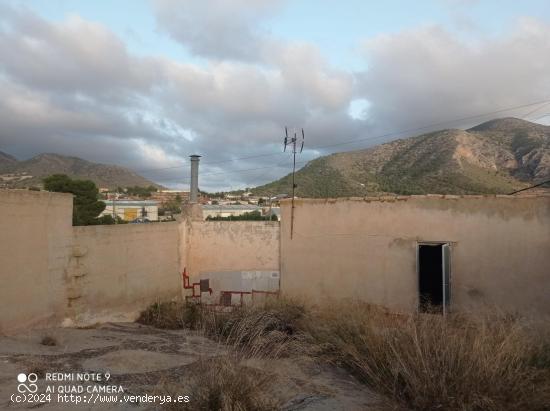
(18, 174)
(498, 156)
(6, 160)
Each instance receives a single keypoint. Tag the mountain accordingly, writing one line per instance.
(498, 156)
(6, 160)
(29, 173)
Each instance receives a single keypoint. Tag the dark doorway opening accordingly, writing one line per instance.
(433, 277)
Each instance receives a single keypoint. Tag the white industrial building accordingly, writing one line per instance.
(226, 210)
(129, 210)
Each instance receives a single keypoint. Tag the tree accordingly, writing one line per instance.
(86, 206)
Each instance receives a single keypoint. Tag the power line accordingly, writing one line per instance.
(409, 130)
(535, 110)
(280, 165)
(529, 188)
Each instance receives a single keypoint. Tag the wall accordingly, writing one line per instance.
(233, 245)
(52, 273)
(35, 239)
(366, 248)
(120, 269)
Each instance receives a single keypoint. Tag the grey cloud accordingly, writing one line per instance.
(75, 56)
(72, 87)
(428, 75)
(221, 29)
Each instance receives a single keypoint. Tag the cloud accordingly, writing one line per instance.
(73, 87)
(221, 29)
(429, 75)
(75, 56)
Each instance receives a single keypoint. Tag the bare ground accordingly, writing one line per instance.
(141, 359)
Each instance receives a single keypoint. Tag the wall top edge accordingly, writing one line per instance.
(32, 193)
(392, 198)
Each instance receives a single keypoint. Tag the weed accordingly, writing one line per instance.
(48, 340)
(431, 362)
(171, 315)
(223, 384)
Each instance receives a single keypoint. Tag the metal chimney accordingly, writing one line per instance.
(194, 194)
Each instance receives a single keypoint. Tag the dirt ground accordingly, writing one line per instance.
(142, 360)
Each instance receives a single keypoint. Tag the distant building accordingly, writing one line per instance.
(276, 211)
(226, 210)
(129, 210)
(165, 196)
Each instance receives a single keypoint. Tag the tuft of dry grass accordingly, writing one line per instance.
(48, 340)
(431, 362)
(223, 384)
(267, 330)
(172, 315)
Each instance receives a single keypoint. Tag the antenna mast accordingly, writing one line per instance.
(293, 142)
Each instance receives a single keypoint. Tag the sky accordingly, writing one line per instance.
(146, 83)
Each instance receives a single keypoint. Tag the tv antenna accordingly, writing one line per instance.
(297, 146)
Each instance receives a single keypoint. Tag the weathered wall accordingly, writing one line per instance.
(35, 239)
(54, 273)
(232, 245)
(500, 249)
(115, 271)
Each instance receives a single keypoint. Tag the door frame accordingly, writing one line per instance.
(446, 304)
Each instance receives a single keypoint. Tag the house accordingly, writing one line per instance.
(165, 196)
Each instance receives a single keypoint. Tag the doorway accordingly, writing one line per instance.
(434, 277)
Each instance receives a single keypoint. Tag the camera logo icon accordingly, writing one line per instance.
(27, 383)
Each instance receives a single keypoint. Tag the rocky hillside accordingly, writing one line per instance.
(6, 160)
(29, 173)
(498, 156)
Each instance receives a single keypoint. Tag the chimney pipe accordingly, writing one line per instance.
(194, 191)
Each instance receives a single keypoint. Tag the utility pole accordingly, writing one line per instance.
(292, 142)
(114, 207)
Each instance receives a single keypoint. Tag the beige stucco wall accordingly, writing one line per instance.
(35, 238)
(232, 246)
(53, 273)
(116, 271)
(500, 249)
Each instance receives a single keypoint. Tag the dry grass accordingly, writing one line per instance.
(48, 340)
(268, 330)
(422, 362)
(172, 315)
(223, 384)
(428, 362)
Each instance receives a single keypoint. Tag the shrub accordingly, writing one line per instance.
(172, 315)
(430, 362)
(260, 330)
(223, 384)
(48, 340)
